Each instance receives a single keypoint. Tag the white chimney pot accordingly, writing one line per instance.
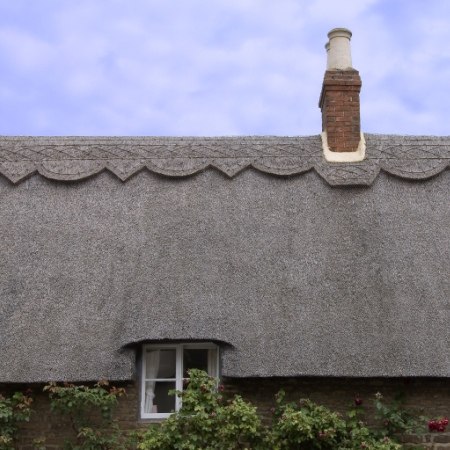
(338, 49)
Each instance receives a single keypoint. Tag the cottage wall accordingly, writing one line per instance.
(429, 396)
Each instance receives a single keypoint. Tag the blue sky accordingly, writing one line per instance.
(216, 67)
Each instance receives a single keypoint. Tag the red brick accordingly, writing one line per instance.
(339, 102)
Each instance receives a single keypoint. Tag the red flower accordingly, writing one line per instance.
(438, 425)
(432, 425)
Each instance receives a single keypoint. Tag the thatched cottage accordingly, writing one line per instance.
(320, 263)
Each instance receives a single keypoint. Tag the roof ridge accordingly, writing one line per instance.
(76, 158)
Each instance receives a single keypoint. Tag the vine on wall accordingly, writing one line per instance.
(209, 419)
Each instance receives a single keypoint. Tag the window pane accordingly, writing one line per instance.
(160, 363)
(195, 358)
(157, 398)
(213, 370)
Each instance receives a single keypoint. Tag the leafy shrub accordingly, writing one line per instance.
(206, 421)
(305, 425)
(89, 410)
(13, 410)
(395, 418)
(209, 422)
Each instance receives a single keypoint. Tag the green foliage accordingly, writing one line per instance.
(77, 401)
(209, 422)
(206, 421)
(89, 410)
(13, 410)
(305, 425)
(395, 418)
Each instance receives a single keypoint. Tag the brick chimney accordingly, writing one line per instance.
(339, 102)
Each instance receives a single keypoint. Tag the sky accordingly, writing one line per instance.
(216, 67)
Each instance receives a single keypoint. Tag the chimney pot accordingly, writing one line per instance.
(338, 51)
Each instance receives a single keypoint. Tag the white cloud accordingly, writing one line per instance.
(347, 10)
(23, 50)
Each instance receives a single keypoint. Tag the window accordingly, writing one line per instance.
(164, 367)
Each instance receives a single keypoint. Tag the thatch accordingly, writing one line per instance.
(334, 270)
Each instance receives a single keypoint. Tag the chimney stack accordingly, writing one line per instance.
(339, 102)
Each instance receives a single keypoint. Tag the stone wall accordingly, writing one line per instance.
(431, 397)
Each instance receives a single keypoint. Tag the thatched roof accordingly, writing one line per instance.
(302, 267)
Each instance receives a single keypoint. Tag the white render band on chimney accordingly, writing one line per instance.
(343, 157)
(338, 49)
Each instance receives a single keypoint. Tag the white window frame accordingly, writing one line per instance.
(179, 371)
